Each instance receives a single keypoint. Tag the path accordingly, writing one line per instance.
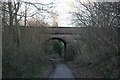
(60, 70)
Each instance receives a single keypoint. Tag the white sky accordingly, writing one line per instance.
(63, 7)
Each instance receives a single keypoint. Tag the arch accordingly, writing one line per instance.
(56, 38)
(59, 39)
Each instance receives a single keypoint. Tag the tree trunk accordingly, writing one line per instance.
(3, 12)
(10, 13)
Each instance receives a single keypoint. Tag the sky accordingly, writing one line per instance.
(63, 8)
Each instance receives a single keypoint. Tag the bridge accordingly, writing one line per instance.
(35, 38)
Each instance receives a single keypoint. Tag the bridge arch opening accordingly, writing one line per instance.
(55, 46)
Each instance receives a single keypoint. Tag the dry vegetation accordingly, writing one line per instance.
(24, 57)
(95, 50)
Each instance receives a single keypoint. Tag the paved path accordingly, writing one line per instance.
(61, 71)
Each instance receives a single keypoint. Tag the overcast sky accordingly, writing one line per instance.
(63, 7)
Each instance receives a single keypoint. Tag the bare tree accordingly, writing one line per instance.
(102, 17)
(34, 22)
(4, 14)
(93, 14)
(43, 11)
(12, 9)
